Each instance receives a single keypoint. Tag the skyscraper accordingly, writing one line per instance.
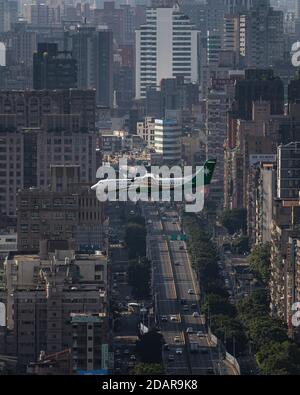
(259, 85)
(166, 46)
(261, 35)
(93, 50)
(53, 69)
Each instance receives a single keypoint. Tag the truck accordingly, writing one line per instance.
(194, 348)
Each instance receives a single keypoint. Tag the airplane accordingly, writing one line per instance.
(149, 180)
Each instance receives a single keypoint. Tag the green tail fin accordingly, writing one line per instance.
(208, 169)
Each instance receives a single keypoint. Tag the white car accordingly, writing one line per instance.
(200, 333)
(178, 351)
(173, 318)
(191, 292)
(132, 358)
(196, 314)
(189, 330)
(177, 339)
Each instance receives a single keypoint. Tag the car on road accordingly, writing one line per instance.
(126, 352)
(177, 339)
(164, 318)
(173, 318)
(193, 306)
(189, 330)
(117, 352)
(166, 347)
(196, 314)
(183, 301)
(177, 263)
(181, 248)
(210, 371)
(191, 291)
(132, 357)
(204, 351)
(171, 358)
(185, 307)
(178, 351)
(200, 333)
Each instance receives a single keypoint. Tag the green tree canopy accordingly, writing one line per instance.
(230, 331)
(263, 330)
(217, 304)
(279, 359)
(139, 276)
(259, 260)
(234, 220)
(144, 369)
(135, 239)
(149, 347)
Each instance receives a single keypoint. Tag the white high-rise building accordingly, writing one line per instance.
(167, 140)
(166, 46)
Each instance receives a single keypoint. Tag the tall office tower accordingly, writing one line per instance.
(119, 20)
(230, 36)
(39, 129)
(215, 11)
(53, 69)
(8, 14)
(37, 14)
(259, 85)
(197, 12)
(297, 9)
(93, 51)
(23, 44)
(178, 95)
(166, 46)
(167, 140)
(288, 170)
(294, 90)
(261, 36)
(213, 47)
(53, 285)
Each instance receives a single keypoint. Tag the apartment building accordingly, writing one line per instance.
(68, 210)
(285, 226)
(146, 130)
(45, 289)
(39, 128)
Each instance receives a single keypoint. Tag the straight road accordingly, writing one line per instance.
(177, 295)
